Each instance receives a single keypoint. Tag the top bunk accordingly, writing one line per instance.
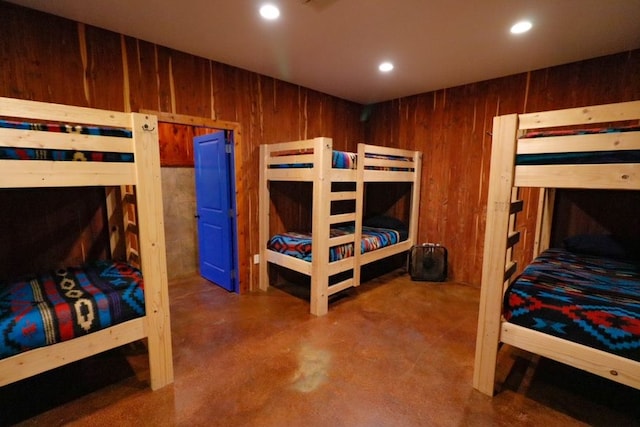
(595, 147)
(312, 159)
(53, 145)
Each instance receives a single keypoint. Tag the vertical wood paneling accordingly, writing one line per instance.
(143, 77)
(452, 129)
(191, 82)
(40, 57)
(66, 226)
(176, 144)
(451, 126)
(164, 71)
(104, 69)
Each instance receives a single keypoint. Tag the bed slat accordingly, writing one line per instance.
(63, 141)
(607, 365)
(618, 176)
(42, 359)
(581, 116)
(341, 286)
(580, 143)
(34, 110)
(388, 176)
(43, 173)
(386, 163)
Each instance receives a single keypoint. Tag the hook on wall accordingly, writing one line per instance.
(147, 128)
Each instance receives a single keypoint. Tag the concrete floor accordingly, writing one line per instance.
(390, 353)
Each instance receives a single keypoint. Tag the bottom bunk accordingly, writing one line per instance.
(587, 299)
(580, 309)
(298, 244)
(64, 315)
(294, 250)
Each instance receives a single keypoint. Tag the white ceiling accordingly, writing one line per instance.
(335, 46)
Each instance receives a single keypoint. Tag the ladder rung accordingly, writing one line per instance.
(516, 206)
(511, 268)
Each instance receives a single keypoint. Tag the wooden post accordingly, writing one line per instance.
(495, 246)
(322, 149)
(152, 248)
(263, 220)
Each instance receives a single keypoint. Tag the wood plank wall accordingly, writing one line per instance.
(47, 58)
(452, 127)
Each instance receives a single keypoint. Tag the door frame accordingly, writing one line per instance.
(241, 204)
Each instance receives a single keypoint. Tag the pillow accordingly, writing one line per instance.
(605, 245)
(383, 221)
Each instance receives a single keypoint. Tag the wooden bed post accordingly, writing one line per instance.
(152, 248)
(415, 198)
(544, 218)
(357, 267)
(263, 220)
(495, 247)
(320, 227)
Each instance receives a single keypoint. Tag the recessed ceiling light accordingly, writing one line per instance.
(385, 67)
(269, 11)
(521, 27)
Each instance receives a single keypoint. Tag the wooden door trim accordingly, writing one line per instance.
(242, 214)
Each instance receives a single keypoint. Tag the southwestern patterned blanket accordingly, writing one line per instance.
(299, 244)
(582, 298)
(67, 303)
(25, 153)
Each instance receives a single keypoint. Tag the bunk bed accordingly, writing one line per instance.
(119, 150)
(597, 329)
(333, 236)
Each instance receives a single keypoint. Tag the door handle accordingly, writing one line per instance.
(196, 216)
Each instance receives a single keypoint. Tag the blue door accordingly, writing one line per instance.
(215, 208)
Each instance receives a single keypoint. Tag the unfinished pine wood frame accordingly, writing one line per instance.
(317, 153)
(503, 205)
(144, 175)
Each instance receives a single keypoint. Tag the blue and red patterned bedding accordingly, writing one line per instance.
(339, 160)
(24, 153)
(64, 304)
(298, 245)
(586, 157)
(344, 160)
(586, 299)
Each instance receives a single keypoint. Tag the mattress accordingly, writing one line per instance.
(586, 157)
(25, 153)
(586, 299)
(67, 303)
(298, 245)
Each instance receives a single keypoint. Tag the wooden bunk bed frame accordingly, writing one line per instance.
(318, 153)
(503, 204)
(144, 174)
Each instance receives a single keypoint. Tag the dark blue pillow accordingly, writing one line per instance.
(605, 245)
(383, 221)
